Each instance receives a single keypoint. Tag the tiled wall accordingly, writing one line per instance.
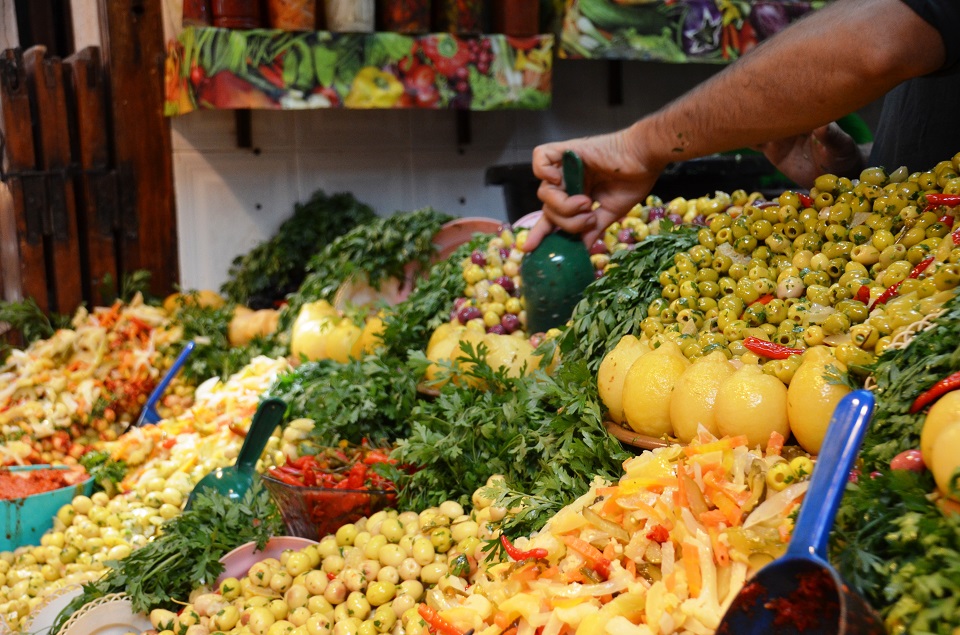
(229, 199)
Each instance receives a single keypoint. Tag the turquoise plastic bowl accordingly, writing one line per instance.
(24, 520)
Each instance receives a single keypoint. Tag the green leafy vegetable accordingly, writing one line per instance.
(26, 317)
(187, 553)
(410, 323)
(369, 398)
(276, 267)
(614, 305)
(106, 472)
(891, 542)
(380, 249)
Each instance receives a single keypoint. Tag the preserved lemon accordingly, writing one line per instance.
(695, 394)
(341, 339)
(945, 461)
(647, 389)
(753, 404)
(944, 412)
(512, 353)
(370, 338)
(442, 348)
(812, 396)
(613, 370)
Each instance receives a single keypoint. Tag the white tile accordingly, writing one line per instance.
(382, 180)
(227, 203)
(274, 129)
(454, 183)
(348, 130)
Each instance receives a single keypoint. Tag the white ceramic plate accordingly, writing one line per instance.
(109, 615)
(238, 562)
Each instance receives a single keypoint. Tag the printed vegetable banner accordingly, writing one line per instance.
(261, 68)
(674, 30)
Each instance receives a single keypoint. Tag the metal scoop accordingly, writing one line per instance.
(556, 272)
(234, 481)
(800, 592)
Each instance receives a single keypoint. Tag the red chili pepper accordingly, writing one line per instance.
(894, 288)
(517, 554)
(437, 624)
(377, 456)
(939, 389)
(805, 200)
(949, 200)
(946, 219)
(956, 237)
(659, 534)
(863, 294)
(769, 349)
(284, 477)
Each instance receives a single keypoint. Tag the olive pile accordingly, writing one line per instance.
(849, 266)
(364, 580)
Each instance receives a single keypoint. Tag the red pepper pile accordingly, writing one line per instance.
(336, 468)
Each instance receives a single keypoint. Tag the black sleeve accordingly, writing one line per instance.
(944, 16)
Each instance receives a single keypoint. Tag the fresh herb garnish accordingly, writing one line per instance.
(26, 317)
(106, 472)
(276, 267)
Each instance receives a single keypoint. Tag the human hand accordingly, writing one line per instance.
(825, 150)
(615, 176)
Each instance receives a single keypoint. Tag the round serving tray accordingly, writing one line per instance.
(634, 439)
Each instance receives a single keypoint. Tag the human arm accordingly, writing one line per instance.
(827, 149)
(832, 62)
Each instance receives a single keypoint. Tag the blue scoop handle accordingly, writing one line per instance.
(150, 407)
(849, 424)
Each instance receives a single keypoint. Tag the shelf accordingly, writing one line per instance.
(211, 68)
(703, 31)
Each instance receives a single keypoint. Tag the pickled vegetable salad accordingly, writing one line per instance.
(665, 550)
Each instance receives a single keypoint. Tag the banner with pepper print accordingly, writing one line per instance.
(220, 68)
(674, 30)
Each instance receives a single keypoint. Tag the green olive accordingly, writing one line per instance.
(732, 303)
(792, 229)
(937, 230)
(667, 278)
(725, 317)
(737, 270)
(839, 213)
(761, 252)
(708, 289)
(909, 285)
(727, 285)
(787, 213)
(818, 294)
(771, 214)
(859, 235)
(725, 235)
(700, 256)
(745, 244)
(689, 289)
(657, 305)
(917, 253)
(892, 254)
(864, 336)
(651, 326)
(947, 276)
(838, 293)
(761, 228)
(808, 241)
(813, 335)
(707, 238)
(797, 313)
(690, 316)
(856, 310)
(823, 199)
(836, 323)
(836, 233)
(707, 303)
(740, 227)
(882, 239)
(668, 316)
(721, 263)
(670, 291)
(776, 311)
(913, 236)
(746, 291)
(735, 330)
(826, 182)
(719, 222)
(789, 198)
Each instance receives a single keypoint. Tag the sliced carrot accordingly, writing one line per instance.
(721, 554)
(775, 444)
(501, 619)
(691, 565)
(713, 518)
(593, 556)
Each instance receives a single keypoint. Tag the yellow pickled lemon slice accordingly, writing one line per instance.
(647, 389)
(753, 404)
(943, 413)
(341, 340)
(613, 371)
(512, 353)
(695, 394)
(812, 397)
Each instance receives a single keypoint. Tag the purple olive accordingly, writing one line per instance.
(598, 247)
(597, 274)
(676, 219)
(656, 214)
(875, 474)
(459, 302)
(510, 322)
(504, 253)
(497, 329)
(506, 282)
(536, 339)
(626, 236)
(478, 258)
(468, 313)
(700, 220)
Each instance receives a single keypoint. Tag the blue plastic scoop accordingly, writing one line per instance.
(800, 592)
(149, 413)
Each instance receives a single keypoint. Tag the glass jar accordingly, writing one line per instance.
(518, 18)
(236, 14)
(292, 15)
(197, 13)
(461, 17)
(404, 16)
(350, 15)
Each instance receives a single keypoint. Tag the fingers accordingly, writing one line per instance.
(537, 233)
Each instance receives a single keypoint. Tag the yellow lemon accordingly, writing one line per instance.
(370, 338)
(753, 404)
(695, 394)
(647, 389)
(943, 413)
(442, 332)
(341, 340)
(613, 370)
(945, 460)
(812, 397)
(474, 338)
(513, 353)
